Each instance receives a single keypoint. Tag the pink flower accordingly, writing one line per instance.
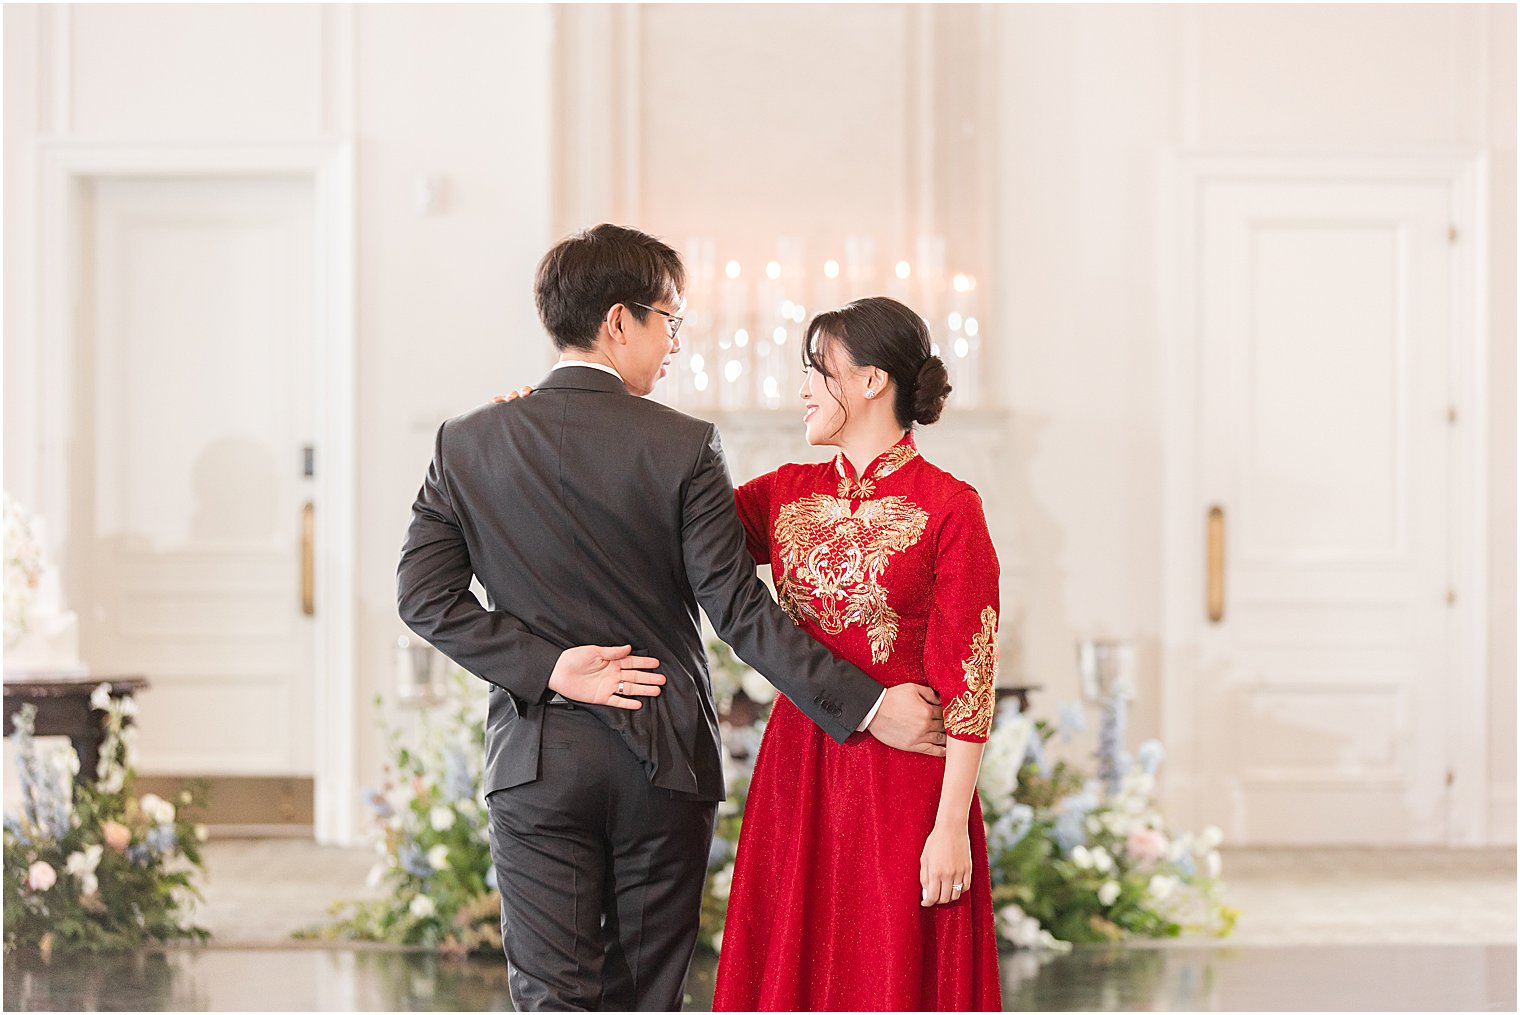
(1145, 846)
(117, 835)
(40, 877)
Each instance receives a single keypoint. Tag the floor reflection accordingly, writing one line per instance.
(1391, 977)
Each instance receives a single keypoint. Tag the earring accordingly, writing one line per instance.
(870, 393)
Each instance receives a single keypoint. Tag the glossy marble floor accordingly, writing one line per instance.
(1305, 978)
(1351, 930)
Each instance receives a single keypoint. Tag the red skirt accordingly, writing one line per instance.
(824, 910)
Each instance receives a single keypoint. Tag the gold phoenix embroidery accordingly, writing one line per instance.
(970, 714)
(832, 559)
(863, 489)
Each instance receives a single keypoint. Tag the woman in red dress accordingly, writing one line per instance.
(861, 878)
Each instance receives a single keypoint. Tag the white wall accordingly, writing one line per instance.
(1088, 95)
(1043, 127)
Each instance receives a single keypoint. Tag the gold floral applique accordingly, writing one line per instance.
(970, 714)
(832, 559)
(864, 488)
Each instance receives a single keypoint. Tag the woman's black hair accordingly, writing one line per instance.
(881, 332)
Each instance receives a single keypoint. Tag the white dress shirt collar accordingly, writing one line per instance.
(604, 368)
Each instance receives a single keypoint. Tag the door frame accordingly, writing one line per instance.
(1185, 171)
(65, 170)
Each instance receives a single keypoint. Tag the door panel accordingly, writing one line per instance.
(1324, 335)
(199, 380)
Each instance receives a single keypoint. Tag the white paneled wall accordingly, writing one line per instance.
(1045, 127)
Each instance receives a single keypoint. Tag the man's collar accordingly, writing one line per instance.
(587, 363)
(597, 379)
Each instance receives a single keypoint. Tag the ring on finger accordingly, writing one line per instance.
(620, 687)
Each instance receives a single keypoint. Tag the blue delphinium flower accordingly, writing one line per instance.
(161, 838)
(1009, 829)
(1072, 721)
(139, 853)
(1111, 742)
(1034, 753)
(1186, 864)
(413, 861)
(1070, 829)
(458, 783)
(377, 802)
(1150, 755)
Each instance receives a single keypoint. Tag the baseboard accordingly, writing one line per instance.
(244, 801)
(1501, 815)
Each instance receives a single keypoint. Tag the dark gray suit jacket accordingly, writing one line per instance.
(592, 517)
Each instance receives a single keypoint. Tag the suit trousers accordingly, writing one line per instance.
(601, 875)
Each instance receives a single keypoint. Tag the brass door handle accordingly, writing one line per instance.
(1216, 564)
(308, 559)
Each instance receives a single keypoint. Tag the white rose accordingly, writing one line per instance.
(1108, 892)
(438, 857)
(441, 818)
(1081, 857)
(40, 876)
(1101, 861)
(756, 688)
(1162, 886)
(722, 882)
(1029, 932)
(201, 833)
(100, 698)
(1209, 838)
(156, 809)
(422, 907)
(1009, 918)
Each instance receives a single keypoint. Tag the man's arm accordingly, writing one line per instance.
(834, 694)
(434, 599)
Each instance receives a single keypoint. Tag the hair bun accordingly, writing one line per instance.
(931, 391)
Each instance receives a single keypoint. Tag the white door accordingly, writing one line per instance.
(189, 483)
(1324, 332)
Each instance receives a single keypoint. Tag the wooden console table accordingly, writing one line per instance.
(63, 709)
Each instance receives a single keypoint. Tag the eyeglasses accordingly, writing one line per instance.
(675, 321)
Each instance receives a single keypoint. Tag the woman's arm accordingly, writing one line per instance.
(960, 659)
(946, 860)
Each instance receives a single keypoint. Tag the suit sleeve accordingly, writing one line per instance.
(960, 647)
(830, 691)
(754, 502)
(434, 599)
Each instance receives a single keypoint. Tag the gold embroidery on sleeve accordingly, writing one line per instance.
(832, 560)
(970, 714)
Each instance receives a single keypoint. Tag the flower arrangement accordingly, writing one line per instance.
(89, 865)
(431, 833)
(1080, 858)
(23, 569)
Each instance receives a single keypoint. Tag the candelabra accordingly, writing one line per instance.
(745, 323)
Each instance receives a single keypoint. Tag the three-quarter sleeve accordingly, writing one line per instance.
(960, 648)
(754, 501)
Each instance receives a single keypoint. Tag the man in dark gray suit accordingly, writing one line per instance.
(598, 522)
